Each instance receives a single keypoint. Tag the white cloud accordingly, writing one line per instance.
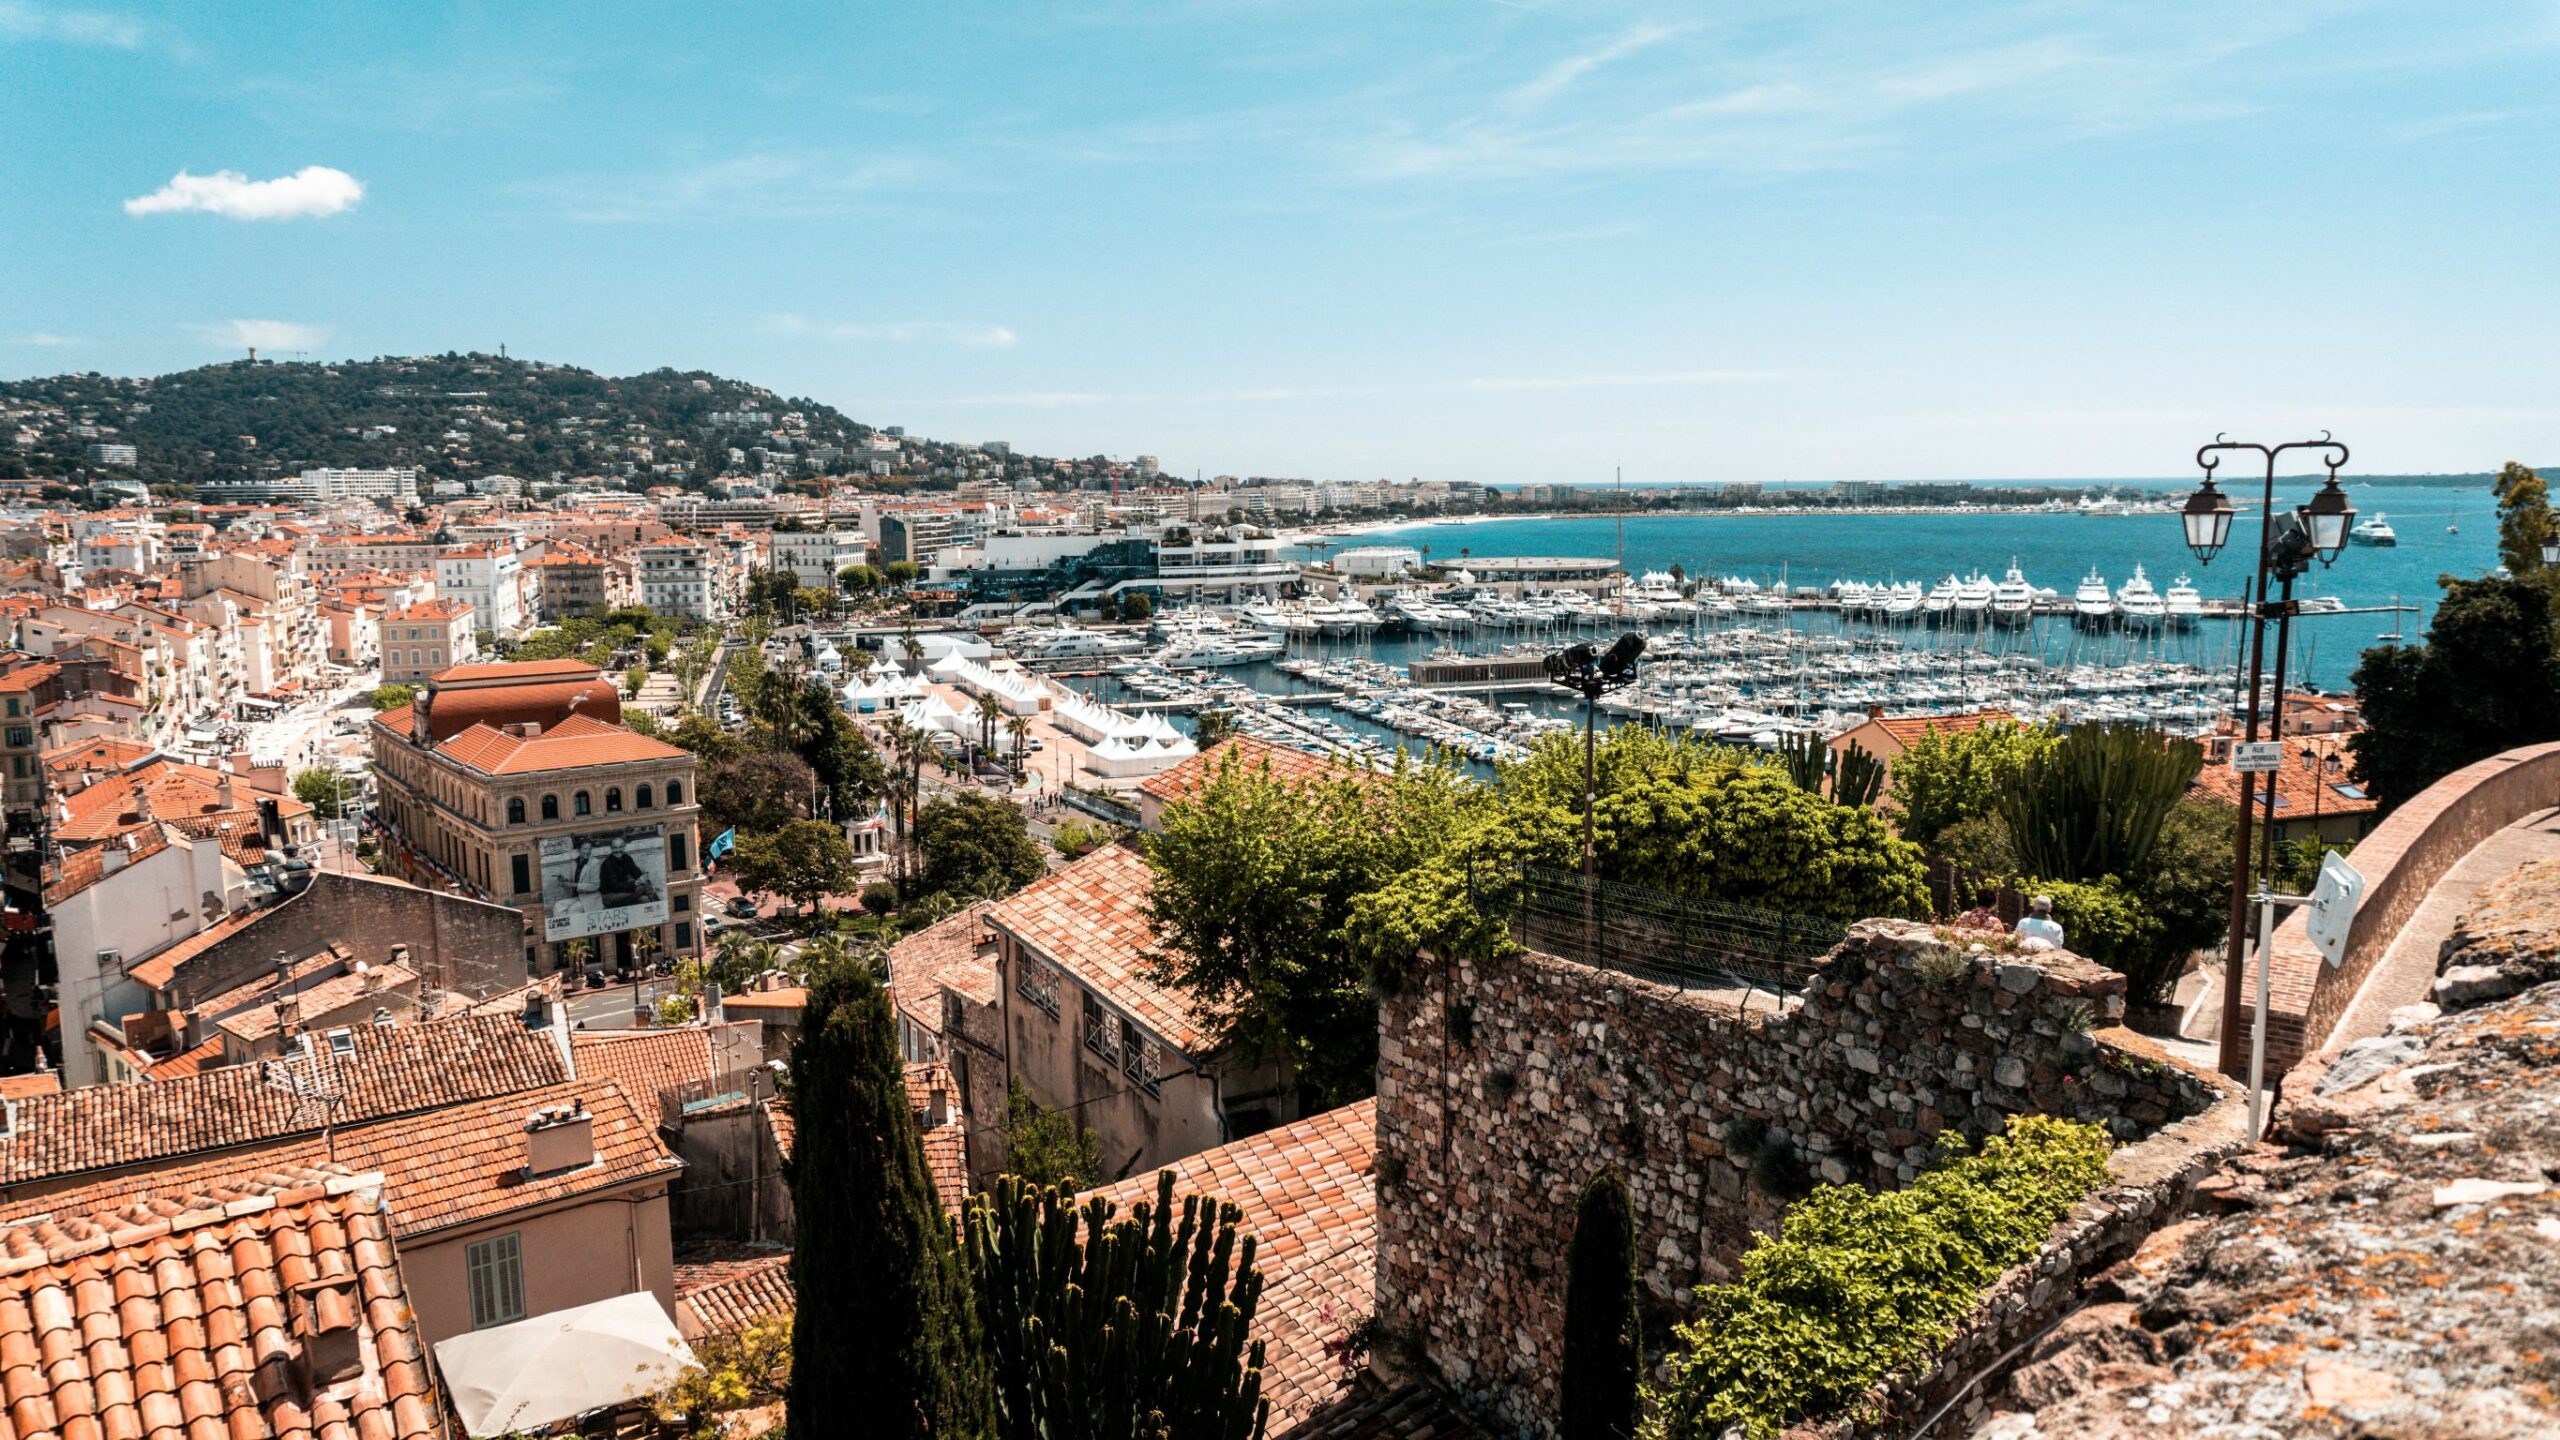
(310, 191)
(1562, 75)
(44, 338)
(263, 335)
(20, 21)
(937, 332)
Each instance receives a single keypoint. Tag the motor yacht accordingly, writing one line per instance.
(2093, 604)
(1940, 606)
(1903, 602)
(2376, 531)
(1219, 651)
(1065, 642)
(2012, 600)
(2183, 605)
(2139, 603)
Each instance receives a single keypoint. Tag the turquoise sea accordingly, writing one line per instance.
(2053, 550)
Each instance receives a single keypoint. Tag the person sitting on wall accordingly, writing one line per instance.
(2037, 929)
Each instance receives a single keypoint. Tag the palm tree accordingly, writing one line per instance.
(579, 950)
(990, 712)
(1018, 729)
(913, 649)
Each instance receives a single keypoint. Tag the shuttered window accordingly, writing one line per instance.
(497, 1282)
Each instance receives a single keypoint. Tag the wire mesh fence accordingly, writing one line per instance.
(1671, 939)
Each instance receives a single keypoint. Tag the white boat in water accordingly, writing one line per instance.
(2376, 531)
(2183, 605)
(2093, 604)
(1065, 642)
(1903, 602)
(1219, 651)
(1940, 605)
(2013, 600)
(2139, 603)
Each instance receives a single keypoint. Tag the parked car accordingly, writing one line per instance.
(742, 907)
(711, 926)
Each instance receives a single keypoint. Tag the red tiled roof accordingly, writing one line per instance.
(788, 999)
(943, 954)
(520, 670)
(395, 1070)
(646, 1063)
(41, 1082)
(188, 796)
(1090, 919)
(946, 1146)
(1287, 764)
(81, 869)
(1311, 1205)
(541, 701)
(1905, 730)
(426, 611)
(175, 1317)
(573, 744)
(760, 1288)
(2300, 793)
(156, 972)
(207, 1056)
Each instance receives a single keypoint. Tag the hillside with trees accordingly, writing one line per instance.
(452, 416)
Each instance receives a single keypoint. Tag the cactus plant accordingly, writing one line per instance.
(1101, 1327)
(1807, 759)
(2092, 806)
(1858, 779)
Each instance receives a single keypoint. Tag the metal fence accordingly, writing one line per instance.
(1675, 940)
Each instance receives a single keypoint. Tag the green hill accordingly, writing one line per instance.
(454, 416)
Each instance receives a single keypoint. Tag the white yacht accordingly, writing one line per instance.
(1065, 642)
(1278, 617)
(1902, 603)
(2184, 605)
(1341, 615)
(1220, 651)
(2013, 600)
(1662, 590)
(1941, 604)
(2093, 604)
(2376, 531)
(2139, 603)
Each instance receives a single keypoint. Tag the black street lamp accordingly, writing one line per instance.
(2287, 544)
(1591, 674)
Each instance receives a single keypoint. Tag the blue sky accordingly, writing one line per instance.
(1509, 240)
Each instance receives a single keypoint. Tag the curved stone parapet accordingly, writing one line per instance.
(2401, 861)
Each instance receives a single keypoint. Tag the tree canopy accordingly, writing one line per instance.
(806, 860)
(1947, 777)
(975, 846)
(2487, 679)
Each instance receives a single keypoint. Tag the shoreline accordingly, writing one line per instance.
(1353, 529)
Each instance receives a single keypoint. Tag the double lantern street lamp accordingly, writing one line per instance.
(1592, 673)
(2287, 544)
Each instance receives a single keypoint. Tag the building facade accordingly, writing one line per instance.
(425, 638)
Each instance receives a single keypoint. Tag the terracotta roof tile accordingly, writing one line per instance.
(395, 1070)
(2300, 793)
(647, 1063)
(943, 954)
(1311, 1205)
(157, 972)
(153, 1318)
(41, 1082)
(1285, 763)
(760, 1288)
(1090, 919)
(573, 743)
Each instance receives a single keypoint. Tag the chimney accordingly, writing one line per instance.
(558, 1139)
(288, 1013)
(112, 858)
(399, 955)
(937, 1108)
(324, 1326)
(239, 762)
(1875, 712)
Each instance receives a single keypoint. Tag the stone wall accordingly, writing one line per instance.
(454, 943)
(2400, 861)
(1504, 1084)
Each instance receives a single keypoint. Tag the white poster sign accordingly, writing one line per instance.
(2333, 906)
(602, 882)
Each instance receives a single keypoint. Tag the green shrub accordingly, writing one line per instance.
(2108, 923)
(879, 897)
(1858, 1286)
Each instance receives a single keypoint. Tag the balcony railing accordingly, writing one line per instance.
(1678, 940)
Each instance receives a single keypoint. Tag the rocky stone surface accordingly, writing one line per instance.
(2508, 942)
(1503, 1085)
(2388, 1265)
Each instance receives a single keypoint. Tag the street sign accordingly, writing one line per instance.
(2333, 906)
(2258, 757)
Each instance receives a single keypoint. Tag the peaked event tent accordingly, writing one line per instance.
(561, 1365)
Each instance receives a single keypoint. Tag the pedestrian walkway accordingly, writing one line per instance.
(2407, 970)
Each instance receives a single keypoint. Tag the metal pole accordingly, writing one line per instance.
(2234, 970)
(2275, 728)
(2258, 1032)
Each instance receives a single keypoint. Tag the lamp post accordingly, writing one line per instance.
(2286, 548)
(1591, 674)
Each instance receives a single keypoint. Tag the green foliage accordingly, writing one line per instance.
(392, 697)
(1048, 1147)
(900, 572)
(1256, 880)
(1858, 1286)
(1077, 838)
(879, 897)
(634, 678)
(1742, 833)
(1603, 1316)
(1101, 1327)
(2093, 804)
(1947, 777)
(885, 1311)
(324, 790)
(1136, 605)
(757, 791)
(731, 1371)
(1807, 759)
(1857, 777)
(2298, 861)
(2486, 680)
(975, 847)
(2525, 520)
(2186, 885)
(806, 860)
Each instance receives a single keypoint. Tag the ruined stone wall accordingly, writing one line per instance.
(1504, 1084)
(455, 943)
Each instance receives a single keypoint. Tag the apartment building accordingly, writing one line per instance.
(815, 556)
(573, 583)
(915, 536)
(517, 783)
(428, 637)
(681, 578)
(490, 579)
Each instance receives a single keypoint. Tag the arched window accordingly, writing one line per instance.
(642, 800)
(613, 800)
(515, 809)
(579, 804)
(675, 792)
(550, 807)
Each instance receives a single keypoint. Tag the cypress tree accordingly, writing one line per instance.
(885, 1343)
(1603, 1323)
